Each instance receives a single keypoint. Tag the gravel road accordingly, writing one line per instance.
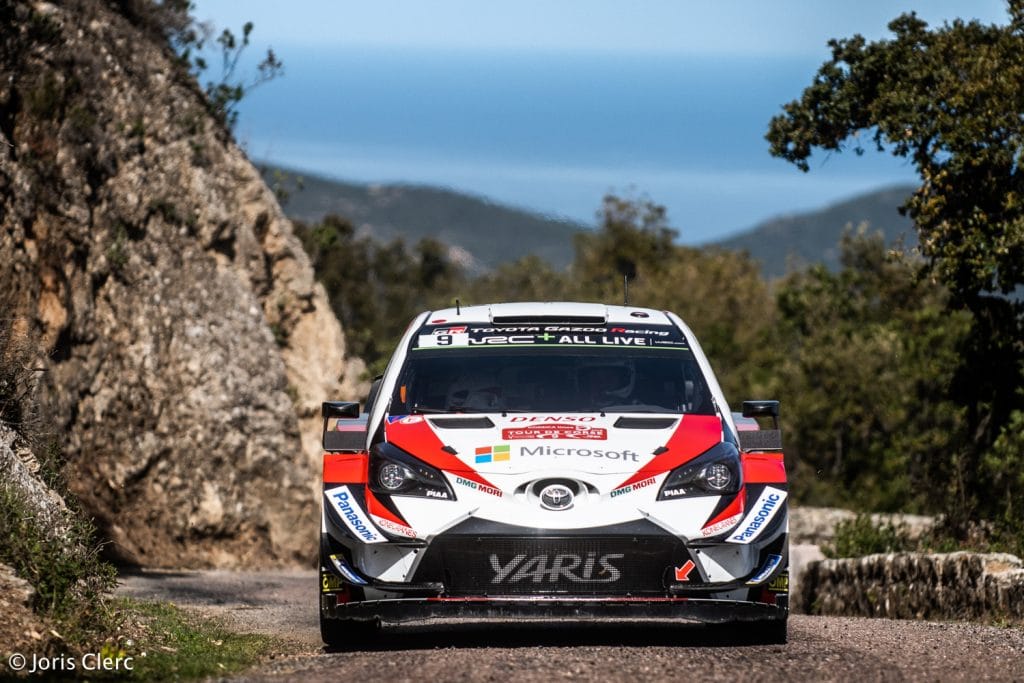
(821, 648)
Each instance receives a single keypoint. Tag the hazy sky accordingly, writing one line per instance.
(722, 27)
(549, 104)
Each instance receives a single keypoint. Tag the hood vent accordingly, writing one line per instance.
(644, 422)
(462, 422)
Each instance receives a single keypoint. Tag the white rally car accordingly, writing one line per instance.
(552, 461)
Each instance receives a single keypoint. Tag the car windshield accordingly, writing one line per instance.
(504, 379)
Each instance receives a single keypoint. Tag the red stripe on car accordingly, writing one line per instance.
(764, 468)
(415, 436)
(375, 507)
(694, 435)
(731, 510)
(344, 468)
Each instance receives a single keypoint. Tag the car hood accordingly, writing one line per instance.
(517, 443)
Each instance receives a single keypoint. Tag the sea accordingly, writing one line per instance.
(554, 132)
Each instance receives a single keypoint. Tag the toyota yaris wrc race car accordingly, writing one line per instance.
(552, 461)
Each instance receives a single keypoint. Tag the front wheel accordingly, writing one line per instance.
(343, 634)
(332, 632)
(774, 632)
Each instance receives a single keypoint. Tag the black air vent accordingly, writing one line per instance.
(644, 422)
(462, 422)
(761, 440)
(352, 440)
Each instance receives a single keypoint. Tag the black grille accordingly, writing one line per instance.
(577, 565)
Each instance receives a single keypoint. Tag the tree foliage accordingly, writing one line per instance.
(866, 363)
(375, 289)
(174, 22)
(951, 101)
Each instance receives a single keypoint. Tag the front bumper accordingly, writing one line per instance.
(418, 611)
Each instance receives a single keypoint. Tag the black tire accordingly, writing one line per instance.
(332, 632)
(774, 632)
(768, 632)
(345, 634)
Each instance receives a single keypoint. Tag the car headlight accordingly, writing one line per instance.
(716, 472)
(395, 472)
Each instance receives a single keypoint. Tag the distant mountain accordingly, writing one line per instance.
(483, 234)
(796, 240)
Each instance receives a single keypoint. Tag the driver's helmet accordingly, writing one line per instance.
(475, 392)
(606, 381)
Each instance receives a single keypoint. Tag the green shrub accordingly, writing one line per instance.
(58, 556)
(60, 559)
(862, 536)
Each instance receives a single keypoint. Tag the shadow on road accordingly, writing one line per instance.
(513, 635)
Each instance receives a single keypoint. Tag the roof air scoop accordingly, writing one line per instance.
(549, 313)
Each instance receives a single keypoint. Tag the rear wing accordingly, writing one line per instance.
(751, 436)
(344, 429)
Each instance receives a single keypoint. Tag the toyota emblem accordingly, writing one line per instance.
(556, 497)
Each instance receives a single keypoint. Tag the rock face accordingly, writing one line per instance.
(188, 346)
(916, 586)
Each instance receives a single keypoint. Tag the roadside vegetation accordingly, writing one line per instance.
(49, 542)
(167, 643)
(901, 374)
(862, 536)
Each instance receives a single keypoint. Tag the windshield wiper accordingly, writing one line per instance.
(426, 410)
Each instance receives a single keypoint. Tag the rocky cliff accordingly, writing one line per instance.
(187, 345)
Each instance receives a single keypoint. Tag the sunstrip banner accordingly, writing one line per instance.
(761, 514)
(352, 515)
(552, 335)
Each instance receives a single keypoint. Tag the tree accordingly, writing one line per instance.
(375, 289)
(867, 360)
(719, 293)
(173, 20)
(632, 241)
(950, 100)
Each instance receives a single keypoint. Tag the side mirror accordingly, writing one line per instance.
(351, 436)
(340, 409)
(761, 439)
(761, 409)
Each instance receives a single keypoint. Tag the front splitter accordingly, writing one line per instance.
(426, 611)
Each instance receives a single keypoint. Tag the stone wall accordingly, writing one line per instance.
(958, 585)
